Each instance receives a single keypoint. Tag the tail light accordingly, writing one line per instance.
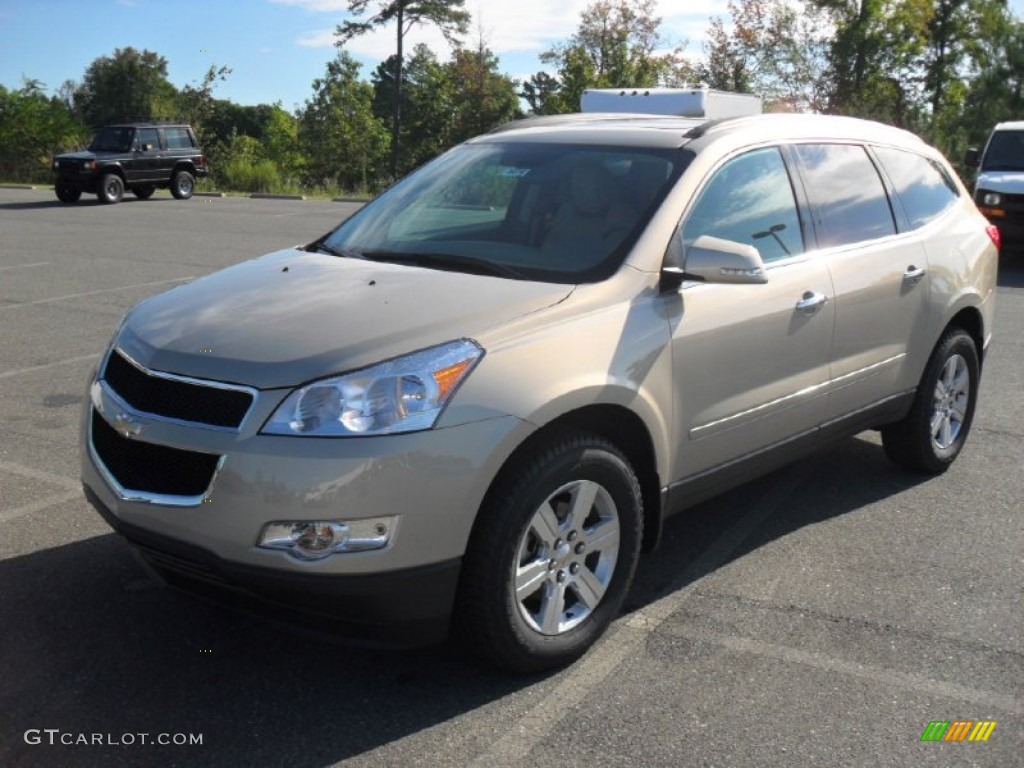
(202, 159)
(993, 232)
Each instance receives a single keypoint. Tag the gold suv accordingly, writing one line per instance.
(473, 403)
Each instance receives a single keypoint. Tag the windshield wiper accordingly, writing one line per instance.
(347, 253)
(446, 261)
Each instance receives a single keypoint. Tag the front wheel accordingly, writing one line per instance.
(552, 555)
(932, 435)
(182, 185)
(111, 189)
(67, 193)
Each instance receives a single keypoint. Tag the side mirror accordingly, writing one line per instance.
(715, 260)
(972, 158)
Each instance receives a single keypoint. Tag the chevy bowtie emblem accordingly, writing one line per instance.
(126, 426)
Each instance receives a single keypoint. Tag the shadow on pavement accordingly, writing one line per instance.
(1011, 268)
(90, 646)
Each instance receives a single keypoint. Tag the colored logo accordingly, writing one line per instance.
(958, 730)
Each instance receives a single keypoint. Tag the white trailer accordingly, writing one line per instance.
(681, 102)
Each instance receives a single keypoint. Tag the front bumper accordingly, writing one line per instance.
(433, 482)
(398, 609)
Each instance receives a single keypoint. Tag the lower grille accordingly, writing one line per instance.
(149, 468)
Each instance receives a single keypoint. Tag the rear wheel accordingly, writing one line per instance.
(67, 193)
(182, 185)
(552, 556)
(932, 435)
(144, 192)
(111, 189)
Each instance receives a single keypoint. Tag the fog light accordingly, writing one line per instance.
(316, 539)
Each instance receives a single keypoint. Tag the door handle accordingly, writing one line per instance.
(811, 302)
(913, 275)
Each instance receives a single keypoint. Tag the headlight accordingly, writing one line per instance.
(992, 198)
(401, 395)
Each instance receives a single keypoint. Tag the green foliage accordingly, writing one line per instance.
(129, 84)
(34, 127)
(345, 143)
(617, 44)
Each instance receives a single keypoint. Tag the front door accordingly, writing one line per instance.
(750, 362)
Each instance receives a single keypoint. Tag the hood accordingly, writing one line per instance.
(82, 155)
(293, 316)
(1007, 182)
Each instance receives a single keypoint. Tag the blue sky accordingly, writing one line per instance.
(276, 48)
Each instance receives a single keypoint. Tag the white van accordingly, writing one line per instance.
(999, 191)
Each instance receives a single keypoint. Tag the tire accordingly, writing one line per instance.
(565, 524)
(67, 193)
(182, 185)
(144, 192)
(932, 435)
(111, 189)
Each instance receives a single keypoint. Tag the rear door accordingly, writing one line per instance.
(879, 276)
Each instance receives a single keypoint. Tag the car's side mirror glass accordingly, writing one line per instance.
(971, 158)
(715, 260)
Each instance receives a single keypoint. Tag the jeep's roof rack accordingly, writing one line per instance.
(150, 120)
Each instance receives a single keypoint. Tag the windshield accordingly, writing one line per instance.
(552, 212)
(113, 139)
(1005, 152)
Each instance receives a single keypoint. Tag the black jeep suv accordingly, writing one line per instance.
(135, 156)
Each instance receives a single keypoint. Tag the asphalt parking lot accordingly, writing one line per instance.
(821, 616)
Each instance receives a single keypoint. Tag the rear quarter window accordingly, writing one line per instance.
(922, 186)
(846, 193)
(178, 138)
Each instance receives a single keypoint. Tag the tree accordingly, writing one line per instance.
(198, 107)
(129, 84)
(345, 142)
(615, 46)
(34, 127)
(487, 98)
(773, 49)
(429, 101)
(448, 16)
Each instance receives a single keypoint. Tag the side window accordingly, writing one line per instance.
(749, 200)
(149, 136)
(924, 190)
(846, 194)
(177, 138)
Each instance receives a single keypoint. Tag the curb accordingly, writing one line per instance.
(17, 186)
(208, 194)
(350, 199)
(267, 196)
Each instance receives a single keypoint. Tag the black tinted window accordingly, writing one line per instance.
(177, 138)
(749, 200)
(149, 136)
(846, 192)
(1005, 152)
(923, 189)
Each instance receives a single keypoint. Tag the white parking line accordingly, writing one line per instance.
(627, 640)
(25, 266)
(7, 515)
(30, 369)
(941, 689)
(94, 293)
